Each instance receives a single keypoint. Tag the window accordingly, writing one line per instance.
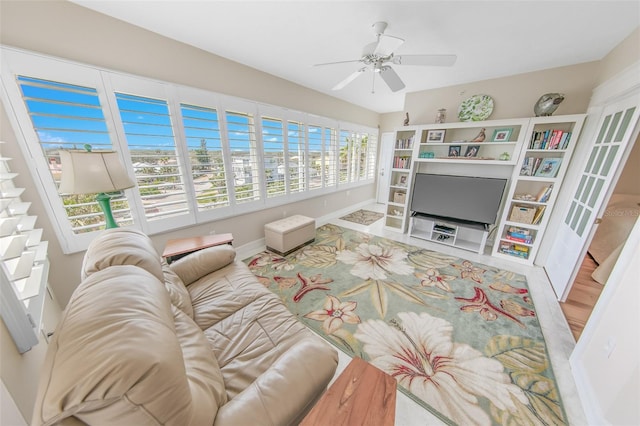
(316, 157)
(330, 142)
(67, 116)
(152, 148)
(244, 156)
(196, 155)
(296, 157)
(274, 164)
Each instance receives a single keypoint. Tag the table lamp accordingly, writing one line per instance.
(94, 172)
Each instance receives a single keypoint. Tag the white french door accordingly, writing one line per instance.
(384, 166)
(608, 145)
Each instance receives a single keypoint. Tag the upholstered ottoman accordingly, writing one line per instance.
(289, 234)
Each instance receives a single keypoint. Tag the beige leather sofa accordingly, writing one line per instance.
(200, 342)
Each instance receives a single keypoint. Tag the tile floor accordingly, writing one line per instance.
(560, 342)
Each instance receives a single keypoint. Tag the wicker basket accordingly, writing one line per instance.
(400, 197)
(522, 214)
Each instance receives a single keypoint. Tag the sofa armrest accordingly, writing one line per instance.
(202, 262)
(284, 393)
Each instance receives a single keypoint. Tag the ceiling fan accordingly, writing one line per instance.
(376, 56)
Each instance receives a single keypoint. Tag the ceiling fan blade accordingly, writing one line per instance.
(338, 62)
(391, 78)
(349, 79)
(387, 45)
(429, 60)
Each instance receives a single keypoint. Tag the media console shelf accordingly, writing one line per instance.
(466, 236)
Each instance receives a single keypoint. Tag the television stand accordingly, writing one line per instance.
(463, 235)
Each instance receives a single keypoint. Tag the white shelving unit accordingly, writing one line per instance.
(535, 183)
(466, 236)
(24, 266)
(398, 196)
(509, 145)
(427, 153)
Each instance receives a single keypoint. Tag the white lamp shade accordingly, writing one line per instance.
(85, 172)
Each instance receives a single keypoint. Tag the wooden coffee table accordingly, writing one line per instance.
(175, 249)
(361, 395)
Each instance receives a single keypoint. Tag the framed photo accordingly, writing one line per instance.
(549, 167)
(434, 136)
(454, 151)
(402, 181)
(502, 135)
(472, 151)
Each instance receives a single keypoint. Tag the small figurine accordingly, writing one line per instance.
(481, 136)
(547, 104)
(406, 120)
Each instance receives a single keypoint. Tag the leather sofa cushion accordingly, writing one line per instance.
(118, 357)
(178, 293)
(121, 246)
(199, 263)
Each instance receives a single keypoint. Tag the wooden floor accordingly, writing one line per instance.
(582, 297)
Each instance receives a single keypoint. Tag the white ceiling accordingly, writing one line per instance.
(285, 38)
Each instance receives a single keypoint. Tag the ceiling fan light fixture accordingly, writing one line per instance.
(376, 55)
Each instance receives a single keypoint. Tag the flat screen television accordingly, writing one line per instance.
(463, 198)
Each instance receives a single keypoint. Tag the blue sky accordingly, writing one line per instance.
(69, 116)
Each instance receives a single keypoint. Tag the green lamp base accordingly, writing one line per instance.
(104, 200)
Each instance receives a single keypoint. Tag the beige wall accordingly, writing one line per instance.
(514, 96)
(628, 181)
(622, 56)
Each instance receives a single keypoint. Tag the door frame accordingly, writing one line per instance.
(623, 85)
(384, 166)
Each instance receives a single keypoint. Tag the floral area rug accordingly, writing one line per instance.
(462, 339)
(363, 217)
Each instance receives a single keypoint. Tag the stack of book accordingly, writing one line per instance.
(514, 249)
(520, 235)
(401, 162)
(404, 143)
(550, 139)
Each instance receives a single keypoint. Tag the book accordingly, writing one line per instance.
(548, 167)
(528, 240)
(527, 167)
(544, 194)
(537, 217)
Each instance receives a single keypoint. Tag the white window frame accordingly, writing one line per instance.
(107, 83)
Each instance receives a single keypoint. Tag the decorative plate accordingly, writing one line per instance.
(476, 108)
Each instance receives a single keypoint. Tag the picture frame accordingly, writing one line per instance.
(454, 150)
(472, 151)
(548, 167)
(402, 180)
(502, 135)
(435, 136)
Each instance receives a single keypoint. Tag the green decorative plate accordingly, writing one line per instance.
(476, 108)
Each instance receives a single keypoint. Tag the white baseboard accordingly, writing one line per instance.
(323, 220)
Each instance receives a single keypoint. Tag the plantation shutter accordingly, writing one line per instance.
(202, 134)
(331, 153)
(67, 116)
(316, 157)
(274, 156)
(345, 157)
(296, 158)
(244, 156)
(152, 148)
